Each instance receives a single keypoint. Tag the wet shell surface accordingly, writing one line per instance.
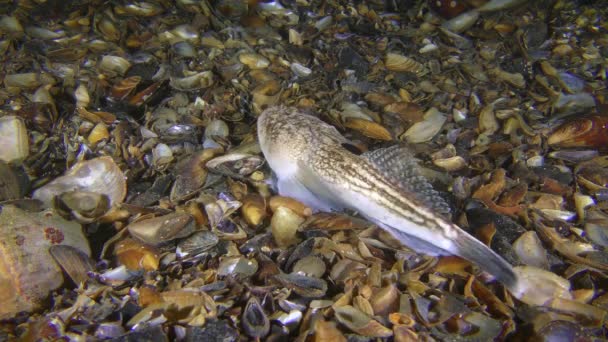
(100, 175)
(27, 271)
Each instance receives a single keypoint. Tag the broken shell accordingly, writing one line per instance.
(361, 323)
(196, 243)
(14, 141)
(254, 60)
(220, 210)
(237, 267)
(191, 299)
(327, 332)
(29, 80)
(158, 230)
(13, 185)
(196, 81)
(425, 130)
(28, 272)
(136, 256)
(98, 133)
(242, 164)
(191, 175)
(404, 334)
(253, 209)
(10, 24)
(363, 305)
(536, 286)
(497, 5)
(451, 164)
(284, 225)
(530, 250)
(124, 88)
(487, 120)
(100, 175)
(311, 266)
(84, 205)
(290, 203)
(300, 70)
(215, 132)
(368, 128)
(385, 300)
(595, 227)
(114, 65)
(76, 263)
(400, 63)
(307, 287)
(162, 155)
(515, 79)
(462, 22)
(266, 94)
(569, 245)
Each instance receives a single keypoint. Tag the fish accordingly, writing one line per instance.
(315, 164)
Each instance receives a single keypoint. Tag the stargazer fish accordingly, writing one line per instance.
(313, 164)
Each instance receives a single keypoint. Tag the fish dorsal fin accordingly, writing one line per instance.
(398, 164)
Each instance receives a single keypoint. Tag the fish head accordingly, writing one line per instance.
(288, 137)
(279, 140)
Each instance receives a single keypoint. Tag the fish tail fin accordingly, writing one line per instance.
(475, 251)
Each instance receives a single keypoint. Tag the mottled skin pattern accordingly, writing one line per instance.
(311, 165)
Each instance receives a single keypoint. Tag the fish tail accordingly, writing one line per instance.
(475, 251)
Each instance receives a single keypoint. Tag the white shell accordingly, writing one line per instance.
(100, 175)
(14, 142)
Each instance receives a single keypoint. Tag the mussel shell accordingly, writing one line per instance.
(254, 320)
(307, 287)
(197, 243)
(158, 230)
(76, 263)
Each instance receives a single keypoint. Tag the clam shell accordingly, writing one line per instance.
(100, 175)
(28, 272)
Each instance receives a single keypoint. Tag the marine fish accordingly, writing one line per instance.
(313, 163)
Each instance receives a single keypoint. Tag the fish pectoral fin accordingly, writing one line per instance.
(322, 195)
(306, 187)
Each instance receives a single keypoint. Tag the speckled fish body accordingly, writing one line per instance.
(311, 164)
